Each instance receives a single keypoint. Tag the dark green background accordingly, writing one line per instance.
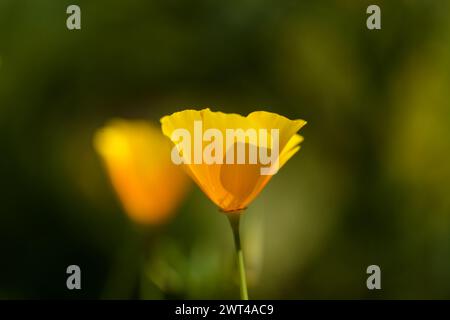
(371, 184)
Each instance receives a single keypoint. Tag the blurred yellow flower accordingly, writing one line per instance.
(137, 158)
(232, 186)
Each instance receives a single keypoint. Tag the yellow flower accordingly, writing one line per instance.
(232, 186)
(137, 158)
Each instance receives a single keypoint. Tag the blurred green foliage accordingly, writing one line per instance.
(371, 184)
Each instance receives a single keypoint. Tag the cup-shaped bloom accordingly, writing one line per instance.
(137, 158)
(229, 156)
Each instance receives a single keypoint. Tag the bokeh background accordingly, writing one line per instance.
(371, 184)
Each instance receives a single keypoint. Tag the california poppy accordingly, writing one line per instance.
(137, 159)
(232, 185)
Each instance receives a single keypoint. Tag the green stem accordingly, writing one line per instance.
(234, 219)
